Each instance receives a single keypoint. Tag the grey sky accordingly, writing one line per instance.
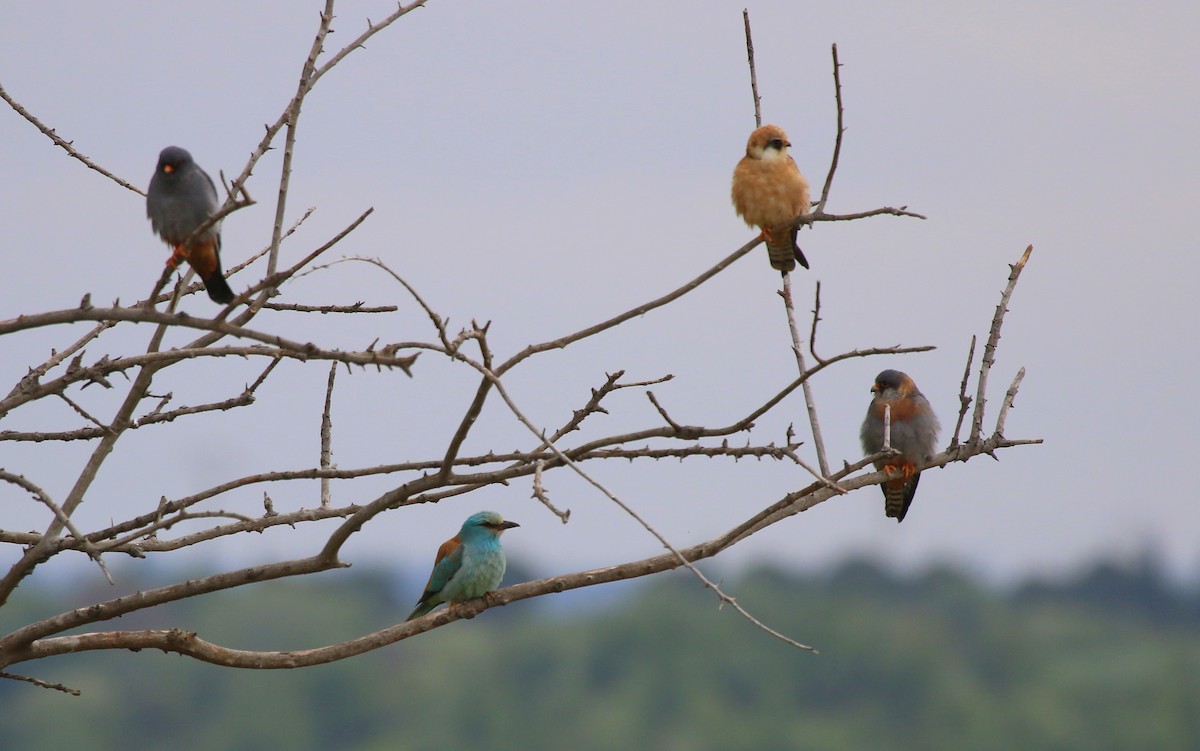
(544, 165)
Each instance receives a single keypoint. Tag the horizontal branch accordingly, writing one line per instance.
(358, 307)
(15, 643)
(189, 644)
(278, 347)
(821, 216)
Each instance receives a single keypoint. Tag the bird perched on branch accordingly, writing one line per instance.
(468, 565)
(914, 431)
(769, 192)
(180, 200)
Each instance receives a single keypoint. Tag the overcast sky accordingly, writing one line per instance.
(545, 165)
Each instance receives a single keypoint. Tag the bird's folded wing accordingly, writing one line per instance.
(449, 561)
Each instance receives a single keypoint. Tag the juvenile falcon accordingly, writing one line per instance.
(914, 433)
(181, 198)
(769, 192)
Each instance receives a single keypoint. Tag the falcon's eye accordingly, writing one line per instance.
(775, 143)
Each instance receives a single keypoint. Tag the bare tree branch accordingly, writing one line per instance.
(327, 437)
(640, 310)
(964, 401)
(67, 146)
(753, 73)
(442, 470)
(1007, 404)
(42, 684)
(798, 350)
(841, 131)
(989, 349)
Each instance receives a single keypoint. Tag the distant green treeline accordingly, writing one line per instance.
(1108, 660)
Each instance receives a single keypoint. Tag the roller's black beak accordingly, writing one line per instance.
(507, 525)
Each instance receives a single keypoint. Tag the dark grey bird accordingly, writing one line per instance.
(180, 199)
(914, 433)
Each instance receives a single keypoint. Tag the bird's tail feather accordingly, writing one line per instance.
(898, 496)
(218, 289)
(421, 609)
(204, 257)
(784, 252)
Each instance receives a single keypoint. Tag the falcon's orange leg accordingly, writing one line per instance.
(179, 255)
(906, 470)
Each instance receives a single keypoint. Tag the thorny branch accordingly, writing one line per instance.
(753, 73)
(810, 402)
(989, 349)
(327, 437)
(964, 401)
(67, 146)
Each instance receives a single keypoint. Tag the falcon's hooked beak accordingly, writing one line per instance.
(168, 169)
(875, 388)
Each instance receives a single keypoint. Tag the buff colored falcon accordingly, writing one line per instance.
(769, 192)
(914, 433)
(180, 199)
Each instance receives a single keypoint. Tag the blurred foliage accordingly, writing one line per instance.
(1107, 660)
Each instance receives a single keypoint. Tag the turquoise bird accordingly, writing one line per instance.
(468, 565)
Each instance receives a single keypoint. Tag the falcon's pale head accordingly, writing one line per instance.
(768, 143)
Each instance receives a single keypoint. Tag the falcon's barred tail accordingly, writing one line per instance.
(898, 495)
(783, 251)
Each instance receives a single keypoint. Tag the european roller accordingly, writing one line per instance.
(468, 565)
